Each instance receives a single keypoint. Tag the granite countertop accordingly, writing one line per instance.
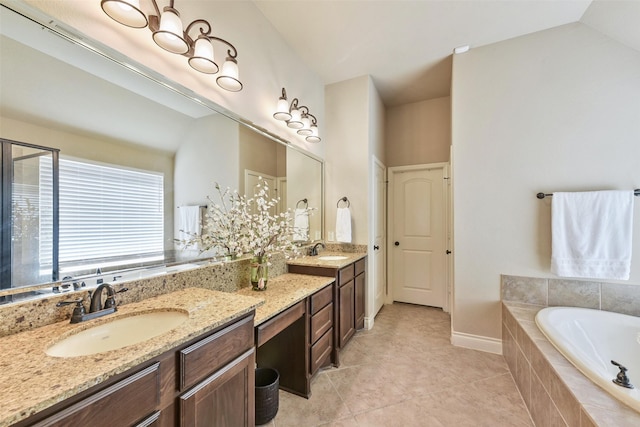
(283, 292)
(33, 381)
(315, 261)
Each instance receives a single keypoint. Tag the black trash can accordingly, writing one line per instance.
(267, 383)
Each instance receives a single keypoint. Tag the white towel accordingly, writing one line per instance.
(301, 225)
(190, 224)
(343, 225)
(591, 234)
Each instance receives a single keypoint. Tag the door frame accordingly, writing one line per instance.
(447, 221)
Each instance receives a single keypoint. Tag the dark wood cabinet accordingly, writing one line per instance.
(348, 300)
(225, 399)
(321, 335)
(124, 403)
(346, 312)
(208, 381)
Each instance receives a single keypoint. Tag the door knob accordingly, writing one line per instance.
(376, 247)
(397, 243)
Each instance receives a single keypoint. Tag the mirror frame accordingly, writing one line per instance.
(82, 41)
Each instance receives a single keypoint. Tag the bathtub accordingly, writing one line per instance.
(591, 339)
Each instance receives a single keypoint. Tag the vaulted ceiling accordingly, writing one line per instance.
(406, 45)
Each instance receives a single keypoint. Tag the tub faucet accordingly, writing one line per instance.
(314, 249)
(621, 379)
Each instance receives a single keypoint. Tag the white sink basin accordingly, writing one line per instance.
(332, 257)
(118, 333)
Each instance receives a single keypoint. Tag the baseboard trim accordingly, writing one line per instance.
(476, 342)
(368, 323)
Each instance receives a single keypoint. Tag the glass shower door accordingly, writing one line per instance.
(29, 232)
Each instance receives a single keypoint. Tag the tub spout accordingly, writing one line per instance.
(621, 379)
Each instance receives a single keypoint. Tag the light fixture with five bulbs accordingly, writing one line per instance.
(297, 117)
(168, 33)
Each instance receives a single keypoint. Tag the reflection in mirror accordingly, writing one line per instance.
(97, 111)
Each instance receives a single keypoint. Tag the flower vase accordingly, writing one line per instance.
(259, 273)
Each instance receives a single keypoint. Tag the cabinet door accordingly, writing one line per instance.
(346, 297)
(225, 399)
(360, 289)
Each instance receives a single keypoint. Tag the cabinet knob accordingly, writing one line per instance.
(376, 247)
(448, 251)
(397, 243)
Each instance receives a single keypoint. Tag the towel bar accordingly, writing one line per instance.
(636, 193)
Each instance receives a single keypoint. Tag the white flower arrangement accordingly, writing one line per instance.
(238, 225)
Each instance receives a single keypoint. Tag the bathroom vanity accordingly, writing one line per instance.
(202, 371)
(294, 328)
(348, 269)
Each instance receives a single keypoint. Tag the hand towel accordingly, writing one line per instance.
(343, 225)
(190, 225)
(301, 225)
(591, 234)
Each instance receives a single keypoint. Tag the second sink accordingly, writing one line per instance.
(118, 333)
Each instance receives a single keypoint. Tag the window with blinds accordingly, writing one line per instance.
(108, 213)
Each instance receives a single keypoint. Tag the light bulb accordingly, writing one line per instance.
(202, 59)
(170, 36)
(126, 12)
(282, 110)
(229, 78)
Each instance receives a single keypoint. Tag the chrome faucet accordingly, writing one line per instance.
(314, 249)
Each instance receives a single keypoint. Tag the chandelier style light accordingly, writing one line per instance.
(297, 117)
(168, 33)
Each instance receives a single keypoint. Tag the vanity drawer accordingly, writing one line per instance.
(321, 352)
(321, 298)
(277, 324)
(321, 322)
(345, 274)
(120, 404)
(199, 360)
(360, 264)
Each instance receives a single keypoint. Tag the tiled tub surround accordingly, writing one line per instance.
(554, 391)
(620, 298)
(33, 381)
(523, 342)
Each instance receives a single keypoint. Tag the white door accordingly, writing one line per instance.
(379, 240)
(419, 262)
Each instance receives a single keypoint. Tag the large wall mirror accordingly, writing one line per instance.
(102, 113)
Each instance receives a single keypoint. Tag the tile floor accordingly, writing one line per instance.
(404, 372)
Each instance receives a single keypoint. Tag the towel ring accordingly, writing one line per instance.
(306, 204)
(344, 199)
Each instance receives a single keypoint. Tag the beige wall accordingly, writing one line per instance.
(258, 154)
(556, 110)
(99, 150)
(419, 133)
(347, 153)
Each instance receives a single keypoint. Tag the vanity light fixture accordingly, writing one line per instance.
(168, 33)
(297, 117)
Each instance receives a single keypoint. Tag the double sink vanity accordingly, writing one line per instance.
(186, 357)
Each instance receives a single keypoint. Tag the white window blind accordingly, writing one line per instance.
(108, 212)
